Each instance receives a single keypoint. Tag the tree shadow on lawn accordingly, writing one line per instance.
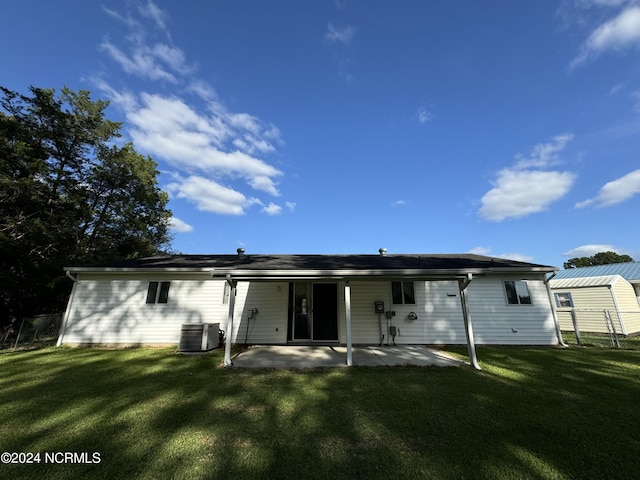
(544, 413)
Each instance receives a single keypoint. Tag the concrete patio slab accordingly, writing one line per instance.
(286, 356)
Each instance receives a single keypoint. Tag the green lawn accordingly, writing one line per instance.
(150, 413)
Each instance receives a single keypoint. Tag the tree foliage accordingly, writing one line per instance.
(602, 258)
(68, 195)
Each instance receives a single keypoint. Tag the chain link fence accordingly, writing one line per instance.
(606, 328)
(39, 330)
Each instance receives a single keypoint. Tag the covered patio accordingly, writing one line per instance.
(286, 356)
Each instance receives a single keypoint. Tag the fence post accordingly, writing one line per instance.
(575, 327)
(614, 338)
(15, 345)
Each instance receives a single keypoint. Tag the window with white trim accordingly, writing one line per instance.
(564, 299)
(403, 293)
(158, 292)
(517, 292)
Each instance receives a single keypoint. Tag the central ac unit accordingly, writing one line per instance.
(199, 337)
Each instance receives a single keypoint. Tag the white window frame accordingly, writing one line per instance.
(568, 298)
(516, 284)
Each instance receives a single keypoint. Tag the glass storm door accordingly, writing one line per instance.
(325, 311)
(302, 311)
(314, 312)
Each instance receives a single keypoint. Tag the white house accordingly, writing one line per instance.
(314, 299)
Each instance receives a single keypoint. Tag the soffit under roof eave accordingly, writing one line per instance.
(183, 270)
(363, 274)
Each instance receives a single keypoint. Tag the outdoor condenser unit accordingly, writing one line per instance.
(199, 337)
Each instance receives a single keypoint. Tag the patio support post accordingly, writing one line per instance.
(553, 310)
(347, 306)
(229, 332)
(468, 327)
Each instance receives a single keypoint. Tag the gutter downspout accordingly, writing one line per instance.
(468, 327)
(232, 301)
(553, 309)
(67, 313)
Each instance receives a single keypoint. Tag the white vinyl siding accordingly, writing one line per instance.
(364, 321)
(496, 322)
(437, 307)
(111, 309)
(267, 326)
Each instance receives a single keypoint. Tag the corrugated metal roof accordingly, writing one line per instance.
(628, 271)
(584, 281)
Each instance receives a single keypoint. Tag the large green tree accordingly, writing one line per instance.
(69, 194)
(602, 258)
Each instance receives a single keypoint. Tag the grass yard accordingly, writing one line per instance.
(150, 413)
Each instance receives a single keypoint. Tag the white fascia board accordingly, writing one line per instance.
(249, 274)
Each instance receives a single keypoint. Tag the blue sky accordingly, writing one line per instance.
(342, 126)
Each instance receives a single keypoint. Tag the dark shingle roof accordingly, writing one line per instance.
(260, 262)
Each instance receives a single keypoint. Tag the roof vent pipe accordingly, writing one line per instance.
(383, 251)
(240, 252)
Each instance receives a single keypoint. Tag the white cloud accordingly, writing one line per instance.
(212, 152)
(188, 140)
(252, 145)
(126, 100)
(544, 154)
(141, 63)
(180, 226)
(519, 257)
(272, 209)
(616, 191)
(589, 250)
(173, 57)
(619, 33)
(291, 206)
(152, 60)
(524, 188)
(203, 90)
(155, 13)
(517, 194)
(265, 184)
(480, 251)
(616, 88)
(339, 35)
(509, 256)
(600, 3)
(425, 115)
(129, 21)
(210, 196)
